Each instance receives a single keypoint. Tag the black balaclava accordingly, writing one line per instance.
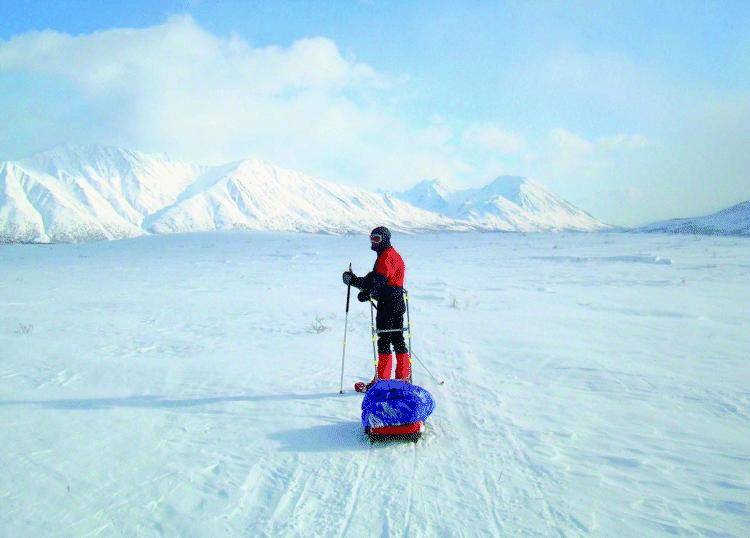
(385, 233)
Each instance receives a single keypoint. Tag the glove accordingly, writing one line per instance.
(347, 277)
(363, 296)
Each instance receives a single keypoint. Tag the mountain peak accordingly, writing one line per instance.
(430, 184)
(512, 185)
(509, 180)
(87, 151)
(429, 194)
(73, 158)
(506, 203)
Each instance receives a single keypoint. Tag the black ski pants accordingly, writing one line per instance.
(390, 316)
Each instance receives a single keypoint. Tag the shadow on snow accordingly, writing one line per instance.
(157, 402)
(337, 436)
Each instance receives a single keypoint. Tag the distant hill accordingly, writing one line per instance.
(734, 220)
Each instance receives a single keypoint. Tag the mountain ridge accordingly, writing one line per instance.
(733, 220)
(507, 203)
(78, 193)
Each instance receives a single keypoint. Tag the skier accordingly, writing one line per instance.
(385, 284)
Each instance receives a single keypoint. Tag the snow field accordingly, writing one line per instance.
(596, 384)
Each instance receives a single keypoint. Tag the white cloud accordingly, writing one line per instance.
(180, 55)
(178, 88)
(566, 151)
(623, 142)
(579, 168)
(493, 138)
(569, 144)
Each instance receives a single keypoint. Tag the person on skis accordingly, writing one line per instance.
(385, 284)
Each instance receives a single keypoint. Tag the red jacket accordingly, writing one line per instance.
(391, 266)
(385, 283)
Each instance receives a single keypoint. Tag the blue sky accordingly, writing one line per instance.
(632, 110)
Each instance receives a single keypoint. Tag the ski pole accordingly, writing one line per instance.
(346, 325)
(408, 334)
(374, 333)
(428, 370)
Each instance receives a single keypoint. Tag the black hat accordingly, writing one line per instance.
(380, 239)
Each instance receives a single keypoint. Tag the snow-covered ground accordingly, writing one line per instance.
(188, 385)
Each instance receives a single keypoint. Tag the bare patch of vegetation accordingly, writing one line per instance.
(24, 328)
(318, 326)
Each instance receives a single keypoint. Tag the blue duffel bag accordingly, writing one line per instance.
(392, 402)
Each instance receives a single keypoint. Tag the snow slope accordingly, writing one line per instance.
(254, 195)
(509, 203)
(188, 385)
(79, 193)
(734, 220)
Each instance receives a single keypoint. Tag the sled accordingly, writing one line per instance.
(360, 386)
(404, 432)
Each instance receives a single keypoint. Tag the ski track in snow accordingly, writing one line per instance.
(188, 385)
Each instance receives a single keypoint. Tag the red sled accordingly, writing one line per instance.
(405, 432)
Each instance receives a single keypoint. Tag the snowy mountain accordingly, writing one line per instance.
(254, 195)
(734, 220)
(79, 193)
(509, 203)
(429, 194)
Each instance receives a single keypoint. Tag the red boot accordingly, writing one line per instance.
(403, 366)
(385, 362)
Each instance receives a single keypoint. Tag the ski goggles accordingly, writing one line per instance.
(376, 239)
